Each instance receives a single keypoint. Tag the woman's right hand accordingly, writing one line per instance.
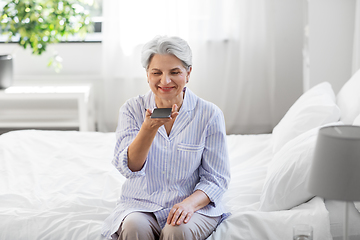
(155, 123)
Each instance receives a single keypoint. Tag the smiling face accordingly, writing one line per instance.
(167, 78)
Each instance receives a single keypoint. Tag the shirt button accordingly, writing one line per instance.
(163, 172)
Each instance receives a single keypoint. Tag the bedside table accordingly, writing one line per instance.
(49, 107)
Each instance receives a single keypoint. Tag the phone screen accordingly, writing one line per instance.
(161, 113)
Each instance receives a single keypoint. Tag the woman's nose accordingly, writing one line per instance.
(165, 79)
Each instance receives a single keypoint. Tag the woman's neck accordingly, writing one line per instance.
(162, 103)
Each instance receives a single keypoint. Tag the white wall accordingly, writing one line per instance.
(331, 41)
(81, 62)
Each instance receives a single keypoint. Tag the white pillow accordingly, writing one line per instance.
(314, 108)
(286, 181)
(348, 99)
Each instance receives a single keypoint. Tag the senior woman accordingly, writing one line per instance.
(177, 168)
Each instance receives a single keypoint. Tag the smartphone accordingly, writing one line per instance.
(161, 113)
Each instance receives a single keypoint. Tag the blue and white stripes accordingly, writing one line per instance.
(193, 157)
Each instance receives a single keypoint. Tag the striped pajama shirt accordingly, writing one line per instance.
(193, 157)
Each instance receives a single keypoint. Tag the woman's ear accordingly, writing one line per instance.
(188, 74)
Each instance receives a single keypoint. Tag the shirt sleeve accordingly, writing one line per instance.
(214, 170)
(128, 127)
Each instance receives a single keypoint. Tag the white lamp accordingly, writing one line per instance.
(335, 172)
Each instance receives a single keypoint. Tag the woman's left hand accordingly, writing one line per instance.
(183, 211)
(180, 213)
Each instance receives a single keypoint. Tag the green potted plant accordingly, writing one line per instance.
(37, 23)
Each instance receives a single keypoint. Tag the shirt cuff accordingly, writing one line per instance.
(213, 192)
(120, 162)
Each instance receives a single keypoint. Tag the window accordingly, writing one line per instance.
(93, 7)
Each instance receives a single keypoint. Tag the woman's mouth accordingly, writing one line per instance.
(166, 89)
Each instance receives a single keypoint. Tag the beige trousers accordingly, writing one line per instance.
(143, 226)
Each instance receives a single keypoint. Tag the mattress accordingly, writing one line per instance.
(61, 185)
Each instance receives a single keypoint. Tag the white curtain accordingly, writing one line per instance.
(232, 55)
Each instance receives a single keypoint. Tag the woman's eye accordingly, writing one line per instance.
(175, 73)
(156, 73)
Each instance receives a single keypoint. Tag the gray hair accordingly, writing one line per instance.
(167, 45)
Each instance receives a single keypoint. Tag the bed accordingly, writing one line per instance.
(61, 184)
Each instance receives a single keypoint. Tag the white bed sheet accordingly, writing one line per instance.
(249, 156)
(56, 185)
(61, 185)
